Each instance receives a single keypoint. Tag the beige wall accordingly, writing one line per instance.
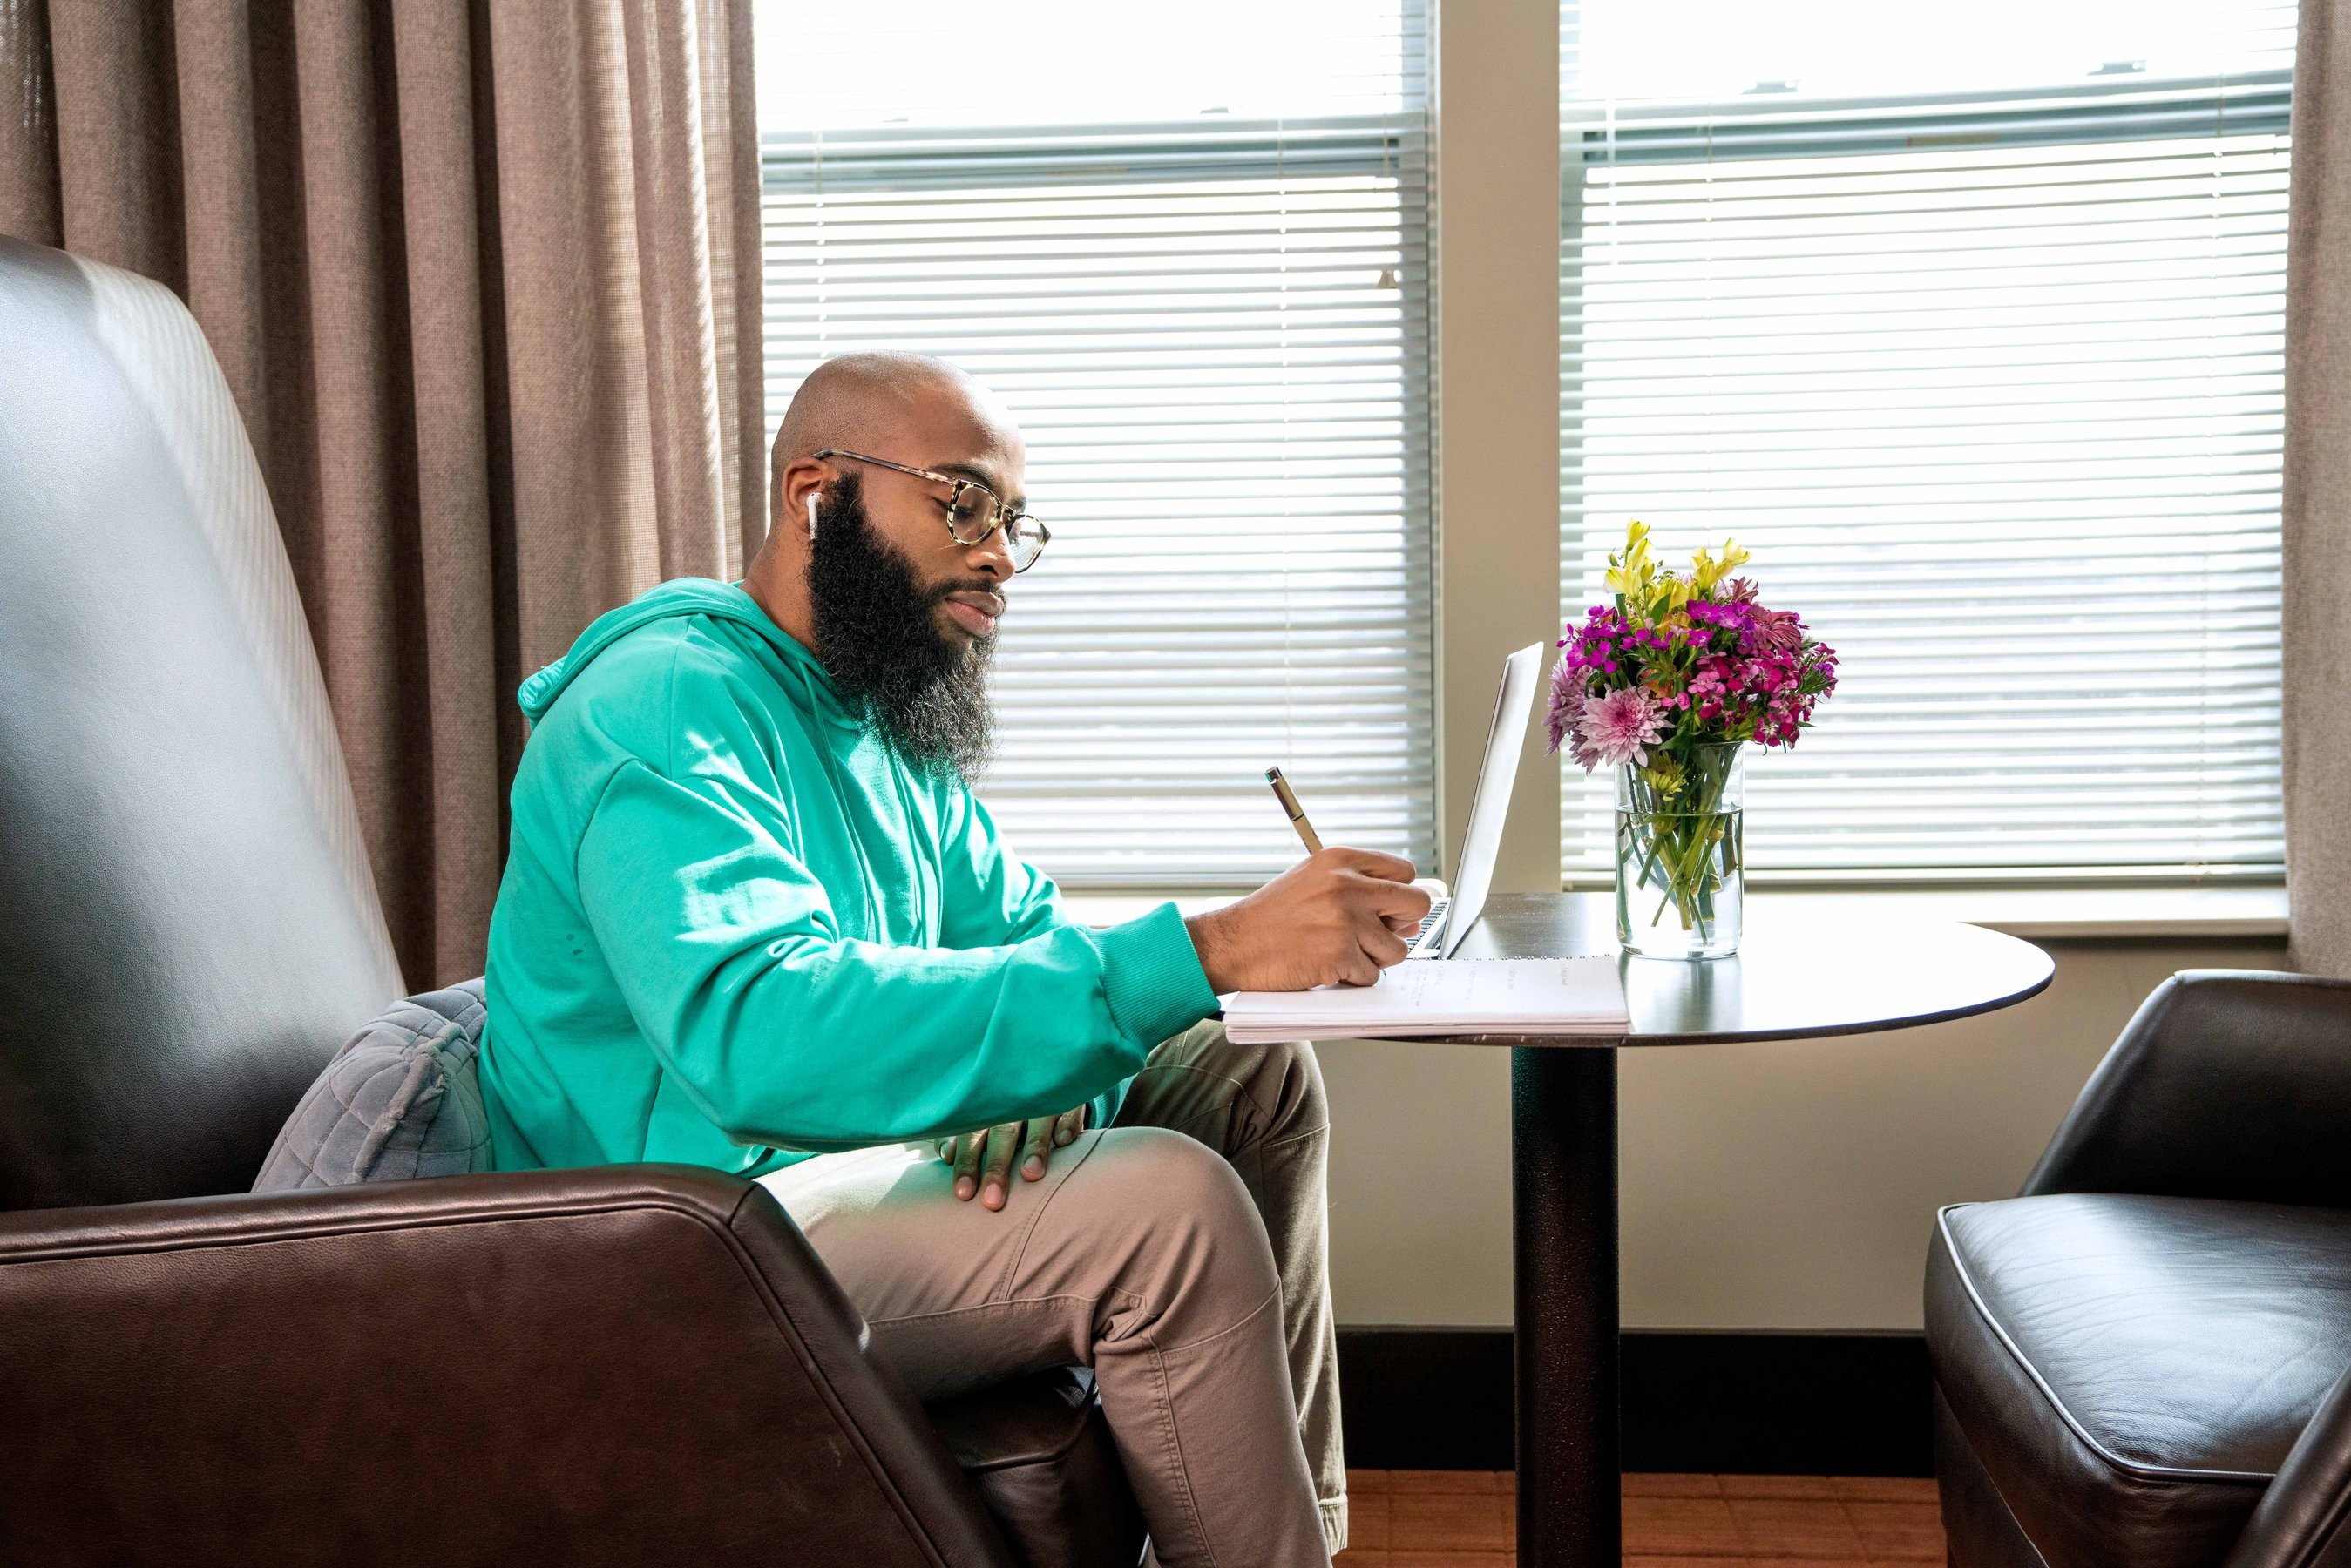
(1777, 1185)
(1497, 220)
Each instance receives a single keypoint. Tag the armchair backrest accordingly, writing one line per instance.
(188, 926)
(2225, 1083)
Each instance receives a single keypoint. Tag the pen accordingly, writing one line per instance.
(1296, 813)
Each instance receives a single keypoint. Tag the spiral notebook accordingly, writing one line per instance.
(1459, 996)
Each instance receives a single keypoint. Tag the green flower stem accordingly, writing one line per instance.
(1684, 848)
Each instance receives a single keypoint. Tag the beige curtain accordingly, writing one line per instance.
(484, 276)
(2318, 496)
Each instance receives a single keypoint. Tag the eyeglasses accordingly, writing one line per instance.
(974, 511)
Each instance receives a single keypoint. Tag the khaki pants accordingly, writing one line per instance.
(1180, 1253)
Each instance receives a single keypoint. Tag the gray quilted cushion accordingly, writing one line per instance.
(400, 1100)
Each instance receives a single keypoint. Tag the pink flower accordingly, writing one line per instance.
(1781, 629)
(1616, 728)
(1566, 683)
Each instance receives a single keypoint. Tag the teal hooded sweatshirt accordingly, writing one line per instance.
(736, 929)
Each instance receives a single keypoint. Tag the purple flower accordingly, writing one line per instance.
(1733, 615)
(1616, 728)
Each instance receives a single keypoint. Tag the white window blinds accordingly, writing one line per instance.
(1201, 283)
(1980, 353)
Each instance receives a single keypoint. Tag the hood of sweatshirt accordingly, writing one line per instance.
(801, 673)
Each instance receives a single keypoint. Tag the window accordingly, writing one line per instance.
(1971, 329)
(1199, 275)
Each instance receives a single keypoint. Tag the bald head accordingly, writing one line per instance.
(885, 403)
(903, 428)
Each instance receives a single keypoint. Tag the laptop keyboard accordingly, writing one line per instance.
(1432, 921)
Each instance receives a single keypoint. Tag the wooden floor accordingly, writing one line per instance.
(1463, 1519)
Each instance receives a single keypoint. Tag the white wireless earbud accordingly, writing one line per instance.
(811, 514)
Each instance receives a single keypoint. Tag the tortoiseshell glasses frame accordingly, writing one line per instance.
(974, 511)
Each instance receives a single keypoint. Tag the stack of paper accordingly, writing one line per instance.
(1443, 996)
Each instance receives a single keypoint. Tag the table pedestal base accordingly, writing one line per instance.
(1563, 1230)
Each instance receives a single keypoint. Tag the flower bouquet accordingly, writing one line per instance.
(1665, 684)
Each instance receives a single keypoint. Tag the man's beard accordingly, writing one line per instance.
(877, 634)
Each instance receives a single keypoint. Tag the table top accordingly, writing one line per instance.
(1792, 978)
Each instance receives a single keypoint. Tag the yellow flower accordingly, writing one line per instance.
(1710, 571)
(1631, 575)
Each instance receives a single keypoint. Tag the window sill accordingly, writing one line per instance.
(2061, 913)
(2051, 913)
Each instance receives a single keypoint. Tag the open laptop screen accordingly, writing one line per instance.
(1474, 874)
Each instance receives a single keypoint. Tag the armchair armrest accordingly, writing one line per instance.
(2304, 1520)
(623, 1365)
(2226, 1084)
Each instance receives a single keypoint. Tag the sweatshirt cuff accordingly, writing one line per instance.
(1152, 977)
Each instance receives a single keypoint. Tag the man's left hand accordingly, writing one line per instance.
(983, 1159)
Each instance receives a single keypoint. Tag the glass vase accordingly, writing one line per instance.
(1680, 866)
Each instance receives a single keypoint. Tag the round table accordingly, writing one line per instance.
(1792, 979)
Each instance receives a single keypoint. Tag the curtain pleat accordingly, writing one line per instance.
(477, 274)
(29, 129)
(2317, 497)
(731, 153)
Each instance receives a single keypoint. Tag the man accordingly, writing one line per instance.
(754, 919)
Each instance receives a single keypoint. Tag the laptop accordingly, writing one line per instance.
(1453, 913)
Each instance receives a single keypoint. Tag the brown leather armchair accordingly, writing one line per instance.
(633, 1364)
(2141, 1359)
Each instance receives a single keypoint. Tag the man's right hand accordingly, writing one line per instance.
(1338, 916)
